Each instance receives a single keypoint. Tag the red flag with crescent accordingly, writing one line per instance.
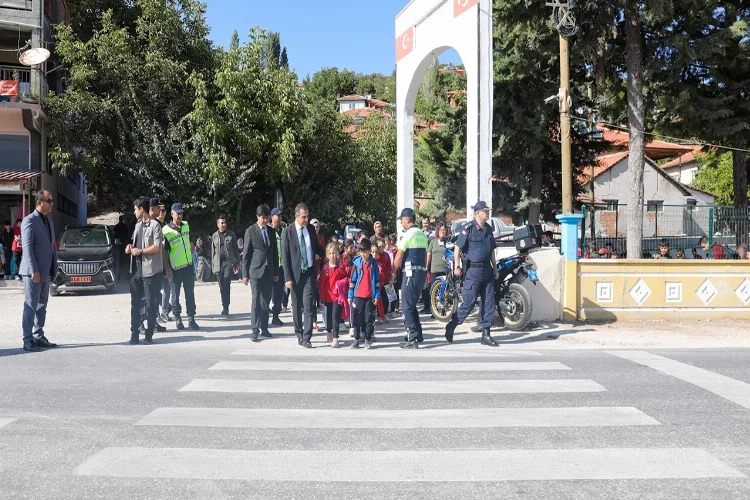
(461, 6)
(404, 44)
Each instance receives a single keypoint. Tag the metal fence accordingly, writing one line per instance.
(604, 231)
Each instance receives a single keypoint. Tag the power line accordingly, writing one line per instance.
(685, 142)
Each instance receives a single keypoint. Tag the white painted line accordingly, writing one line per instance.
(6, 421)
(398, 419)
(721, 385)
(395, 352)
(406, 465)
(317, 366)
(393, 386)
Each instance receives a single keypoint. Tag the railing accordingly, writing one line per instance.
(24, 76)
(691, 231)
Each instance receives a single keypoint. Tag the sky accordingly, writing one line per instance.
(358, 35)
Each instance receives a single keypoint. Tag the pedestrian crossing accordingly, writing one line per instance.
(517, 390)
(5, 421)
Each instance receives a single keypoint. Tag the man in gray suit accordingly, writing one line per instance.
(260, 267)
(38, 267)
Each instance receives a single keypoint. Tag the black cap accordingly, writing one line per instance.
(154, 202)
(408, 212)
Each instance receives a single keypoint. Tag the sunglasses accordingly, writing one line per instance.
(50, 200)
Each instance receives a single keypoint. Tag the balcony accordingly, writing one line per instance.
(31, 84)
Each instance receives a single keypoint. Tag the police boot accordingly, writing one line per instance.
(149, 337)
(193, 325)
(487, 339)
(178, 321)
(134, 340)
(449, 329)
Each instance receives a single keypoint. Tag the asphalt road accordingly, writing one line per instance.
(210, 414)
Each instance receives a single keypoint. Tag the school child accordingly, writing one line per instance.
(364, 291)
(330, 274)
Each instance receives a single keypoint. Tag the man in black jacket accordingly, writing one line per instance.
(260, 264)
(225, 260)
(299, 246)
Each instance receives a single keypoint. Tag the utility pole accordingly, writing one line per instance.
(565, 23)
(592, 198)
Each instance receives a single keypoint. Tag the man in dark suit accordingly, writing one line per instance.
(38, 267)
(260, 267)
(299, 246)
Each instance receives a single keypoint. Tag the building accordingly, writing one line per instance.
(685, 168)
(24, 165)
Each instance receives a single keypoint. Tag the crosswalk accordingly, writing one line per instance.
(422, 397)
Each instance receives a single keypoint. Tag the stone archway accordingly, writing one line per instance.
(425, 29)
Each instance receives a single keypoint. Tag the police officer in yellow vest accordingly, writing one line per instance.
(177, 241)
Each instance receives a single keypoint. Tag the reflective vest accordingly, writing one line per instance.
(180, 255)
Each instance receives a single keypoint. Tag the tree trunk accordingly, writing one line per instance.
(739, 166)
(535, 190)
(238, 215)
(634, 48)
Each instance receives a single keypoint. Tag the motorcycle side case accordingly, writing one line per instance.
(527, 237)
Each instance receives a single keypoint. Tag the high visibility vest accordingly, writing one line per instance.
(180, 255)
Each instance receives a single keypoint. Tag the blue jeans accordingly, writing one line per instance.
(35, 300)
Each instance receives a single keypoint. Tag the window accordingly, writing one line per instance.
(611, 205)
(85, 237)
(66, 206)
(14, 152)
(691, 204)
(655, 206)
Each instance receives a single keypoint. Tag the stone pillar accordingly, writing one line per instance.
(569, 250)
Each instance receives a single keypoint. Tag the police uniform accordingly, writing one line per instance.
(477, 244)
(413, 242)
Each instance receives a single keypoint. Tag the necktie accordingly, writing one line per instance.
(265, 237)
(303, 248)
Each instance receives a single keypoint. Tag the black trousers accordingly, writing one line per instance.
(280, 293)
(333, 317)
(184, 277)
(411, 290)
(364, 318)
(18, 256)
(303, 305)
(149, 288)
(8, 256)
(261, 298)
(225, 284)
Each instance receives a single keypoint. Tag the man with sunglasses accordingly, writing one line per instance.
(38, 267)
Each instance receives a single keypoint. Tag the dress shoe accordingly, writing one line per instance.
(225, 312)
(178, 320)
(134, 340)
(192, 324)
(254, 337)
(266, 334)
(409, 345)
(276, 321)
(159, 328)
(449, 329)
(30, 347)
(43, 342)
(307, 345)
(487, 338)
(149, 339)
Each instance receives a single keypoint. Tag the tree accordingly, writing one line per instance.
(329, 84)
(284, 59)
(716, 176)
(375, 169)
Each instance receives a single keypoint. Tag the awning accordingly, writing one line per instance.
(7, 176)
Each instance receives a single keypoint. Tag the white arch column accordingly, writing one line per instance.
(425, 29)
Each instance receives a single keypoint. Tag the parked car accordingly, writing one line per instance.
(86, 260)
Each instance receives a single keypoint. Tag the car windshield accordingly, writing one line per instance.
(85, 237)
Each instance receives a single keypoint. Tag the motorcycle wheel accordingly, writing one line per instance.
(518, 305)
(445, 308)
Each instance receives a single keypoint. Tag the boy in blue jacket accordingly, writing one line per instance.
(364, 291)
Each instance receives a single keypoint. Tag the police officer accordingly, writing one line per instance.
(411, 258)
(478, 243)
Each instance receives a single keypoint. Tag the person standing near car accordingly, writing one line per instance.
(411, 258)
(146, 266)
(17, 248)
(478, 243)
(38, 267)
(177, 241)
(225, 260)
(6, 234)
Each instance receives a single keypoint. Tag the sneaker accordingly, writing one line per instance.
(351, 332)
(368, 344)
(380, 321)
(373, 339)
(355, 345)
(335, 344)
(163, 318)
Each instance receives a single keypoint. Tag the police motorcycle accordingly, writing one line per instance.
(512, 300)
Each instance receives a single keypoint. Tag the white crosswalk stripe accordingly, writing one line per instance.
(6, 421)
(390, 410)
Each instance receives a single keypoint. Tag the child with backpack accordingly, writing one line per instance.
(364, 292)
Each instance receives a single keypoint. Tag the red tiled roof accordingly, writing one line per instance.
(18, 175)
(377, 103)
(603, 163)
(684, 159)
(353, 97)
(655, 149)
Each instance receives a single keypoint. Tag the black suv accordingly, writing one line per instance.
(86, 259)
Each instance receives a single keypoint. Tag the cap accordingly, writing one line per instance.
(481, 206)
(408, 212)
(275, 211)
(154, 202)
(315, 222)
(177, 208)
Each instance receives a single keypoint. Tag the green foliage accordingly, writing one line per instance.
(329, 84)
(715, 176)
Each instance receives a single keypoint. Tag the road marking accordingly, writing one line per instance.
(406, 465)
(6, 421)
(393, 386)
(389, 367)
(433, 352)
(721, 385)
(398, 419)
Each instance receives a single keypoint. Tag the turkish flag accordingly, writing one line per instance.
(461, 6)
(404, 44)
